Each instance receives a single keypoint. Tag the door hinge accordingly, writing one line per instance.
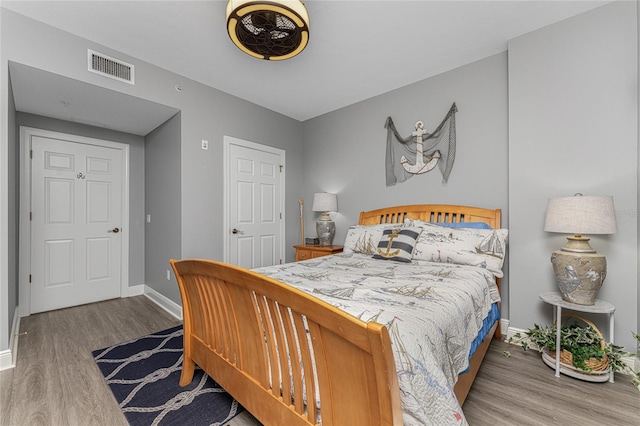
(280, 215)
(31, 153)
(281, 167)
(29, 278)
(30, 215)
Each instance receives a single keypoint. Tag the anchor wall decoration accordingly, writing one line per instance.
(420, 166)
(429, 150)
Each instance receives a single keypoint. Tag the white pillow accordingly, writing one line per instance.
(485, 248)
(363, 239)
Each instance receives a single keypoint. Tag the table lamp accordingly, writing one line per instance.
(579, 270)
(326, 228)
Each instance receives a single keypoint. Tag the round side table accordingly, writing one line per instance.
(600, 307)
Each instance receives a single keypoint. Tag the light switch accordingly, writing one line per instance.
(148, 218)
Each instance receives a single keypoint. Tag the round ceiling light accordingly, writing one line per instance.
(271, 30)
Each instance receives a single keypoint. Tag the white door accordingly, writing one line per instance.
(254, 198)
(76, 223)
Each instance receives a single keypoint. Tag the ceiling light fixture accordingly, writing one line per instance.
(271, 30)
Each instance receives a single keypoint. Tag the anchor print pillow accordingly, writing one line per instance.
(484, 248)
(397, 244)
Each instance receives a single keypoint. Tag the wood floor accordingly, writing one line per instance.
(56, 382)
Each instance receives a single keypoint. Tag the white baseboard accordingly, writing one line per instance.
(504, 326)
(135, 290)
(164, 302)
(8, 357)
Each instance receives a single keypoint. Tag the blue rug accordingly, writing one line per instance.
(143, 375)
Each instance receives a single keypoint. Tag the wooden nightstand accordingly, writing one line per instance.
(304, 252)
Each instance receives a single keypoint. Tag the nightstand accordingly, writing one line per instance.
(600, 307)
(304, 252)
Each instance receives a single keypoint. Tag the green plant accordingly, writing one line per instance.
(583, 343)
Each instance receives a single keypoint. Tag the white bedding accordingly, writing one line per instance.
(433, 312)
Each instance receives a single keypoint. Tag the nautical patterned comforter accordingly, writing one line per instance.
(433, 312)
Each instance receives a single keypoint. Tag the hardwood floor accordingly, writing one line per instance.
(56, 382)
(522, 390)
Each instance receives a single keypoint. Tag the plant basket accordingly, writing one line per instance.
(597, 369)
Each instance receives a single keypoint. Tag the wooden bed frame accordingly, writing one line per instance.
(237, 323)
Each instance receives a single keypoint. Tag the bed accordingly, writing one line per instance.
(309, 352)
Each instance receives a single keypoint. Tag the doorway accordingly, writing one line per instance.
(74, 212)
(254, 197)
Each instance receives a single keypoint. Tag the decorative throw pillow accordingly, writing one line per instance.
(397, 244)
(363, 239)
(477, 247)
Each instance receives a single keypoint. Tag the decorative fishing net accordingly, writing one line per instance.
(441, 143)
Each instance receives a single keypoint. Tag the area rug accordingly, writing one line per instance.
(143, 375)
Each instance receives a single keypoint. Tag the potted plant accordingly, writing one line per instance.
(584, 353)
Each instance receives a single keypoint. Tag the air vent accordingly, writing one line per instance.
(110, 67)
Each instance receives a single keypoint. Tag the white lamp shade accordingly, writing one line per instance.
(325, 202)
(581, 215)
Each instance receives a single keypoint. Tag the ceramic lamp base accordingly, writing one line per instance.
(326, 229)
(579, 276)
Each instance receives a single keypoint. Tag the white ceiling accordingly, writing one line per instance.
(357, 49)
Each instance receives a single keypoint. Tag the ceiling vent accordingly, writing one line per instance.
(110, 67)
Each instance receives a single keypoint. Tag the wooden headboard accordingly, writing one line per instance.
(432, 213)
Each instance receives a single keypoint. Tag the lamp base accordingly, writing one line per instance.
(579, 275)
(326, 229)
(578, 244)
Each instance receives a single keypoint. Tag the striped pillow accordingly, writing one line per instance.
(397, 244)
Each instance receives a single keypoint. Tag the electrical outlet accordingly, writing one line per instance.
(205, 144)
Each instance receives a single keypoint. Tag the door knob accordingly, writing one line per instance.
(236, 231)
(114, 230)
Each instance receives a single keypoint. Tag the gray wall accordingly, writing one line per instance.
(9, 245)
(573, 120)
(136, 178)
(344, 151)
(162, 200)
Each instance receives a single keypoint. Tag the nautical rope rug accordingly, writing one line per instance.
(143, 375)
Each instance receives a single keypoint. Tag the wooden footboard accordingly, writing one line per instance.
(287, 357)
